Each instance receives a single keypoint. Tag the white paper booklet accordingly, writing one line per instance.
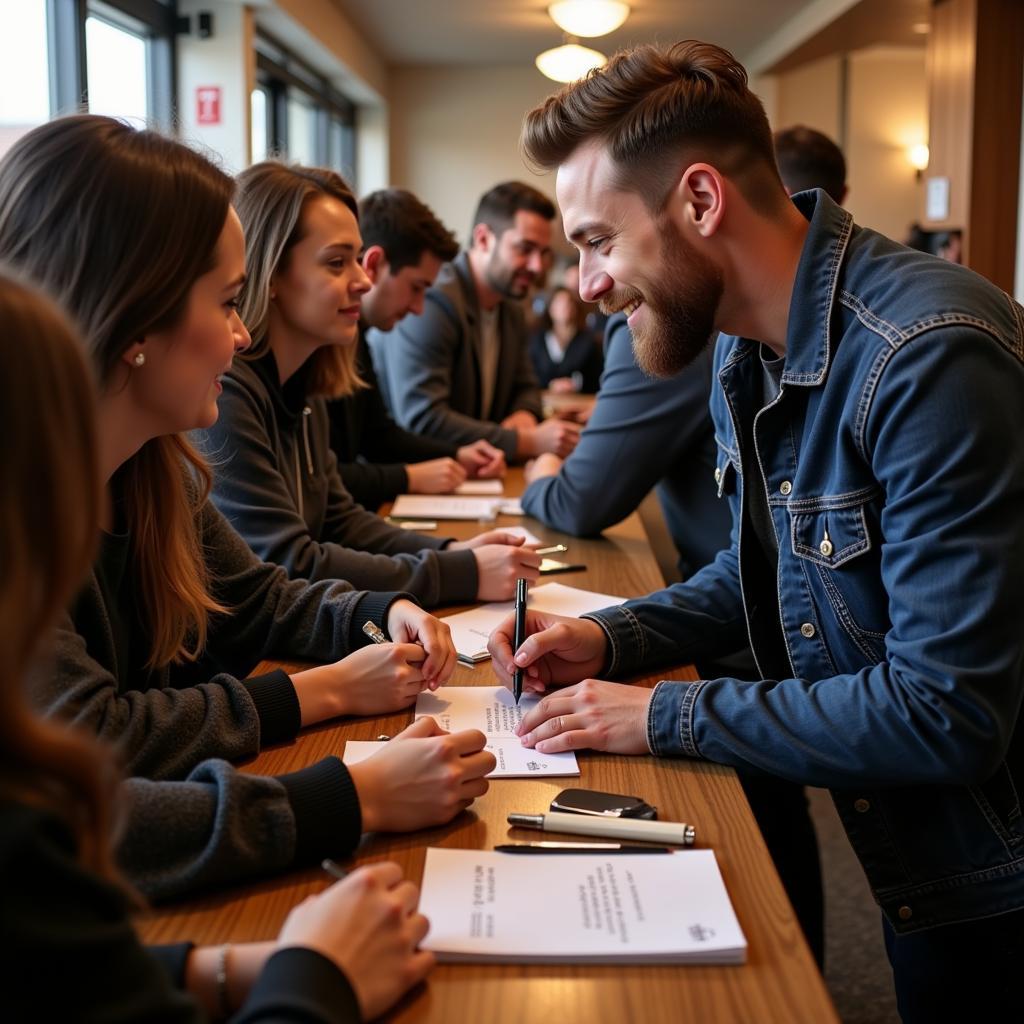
(671, 908)
(443, 506)
(471, 630)
(495, 487)
(492, 710)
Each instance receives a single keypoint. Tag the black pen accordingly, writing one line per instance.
(517, 675)
(610, 848)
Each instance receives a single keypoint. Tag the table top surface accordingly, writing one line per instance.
(779, 981)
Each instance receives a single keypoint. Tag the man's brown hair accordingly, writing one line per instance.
(404, 228)
(658, 110)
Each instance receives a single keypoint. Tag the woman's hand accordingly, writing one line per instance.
(373, 680)
(369, 926)
(408, 623)
(422, 777)
(436, 476)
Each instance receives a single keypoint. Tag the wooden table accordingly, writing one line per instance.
(779, 982)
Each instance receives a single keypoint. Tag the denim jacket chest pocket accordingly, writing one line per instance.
(835, 542)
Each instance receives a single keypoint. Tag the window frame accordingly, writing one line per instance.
(278, 69)
(68, 63)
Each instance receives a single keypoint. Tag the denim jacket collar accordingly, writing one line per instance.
(809, 346)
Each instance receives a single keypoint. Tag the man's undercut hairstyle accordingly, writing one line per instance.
(808, 159)
(658, 111)
(404, 228)
(498, 208)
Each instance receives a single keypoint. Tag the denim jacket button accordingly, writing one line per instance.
(905, 913)
(861, 805)
(807, 630)
(825, 547)
(785, 487)
(718, 474)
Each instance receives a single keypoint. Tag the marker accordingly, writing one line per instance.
(517, 676)
(674, 832)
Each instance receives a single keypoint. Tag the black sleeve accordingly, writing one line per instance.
(371, 448)
(300, 986)
(71, 952)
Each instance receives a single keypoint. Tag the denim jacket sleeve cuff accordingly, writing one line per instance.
(670, 719)
(627, 644)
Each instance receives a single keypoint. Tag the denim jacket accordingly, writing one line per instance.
(893, 463)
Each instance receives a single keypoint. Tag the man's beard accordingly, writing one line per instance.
(682, 306)
(502, 279)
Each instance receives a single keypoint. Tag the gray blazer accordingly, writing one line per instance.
(429, 365)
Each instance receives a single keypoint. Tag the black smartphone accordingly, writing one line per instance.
(608, 805)
(549, 566)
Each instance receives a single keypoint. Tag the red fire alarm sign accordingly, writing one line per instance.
(208, 104)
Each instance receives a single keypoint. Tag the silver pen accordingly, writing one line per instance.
(674, 832)
(374, 632)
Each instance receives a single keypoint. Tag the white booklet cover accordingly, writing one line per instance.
(672, 908)
(492, 710)
(471, 630)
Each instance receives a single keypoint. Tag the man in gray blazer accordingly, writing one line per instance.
(461, 369)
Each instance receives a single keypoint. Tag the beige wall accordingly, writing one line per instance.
(886, 113)
(810, 95)
(455, 133)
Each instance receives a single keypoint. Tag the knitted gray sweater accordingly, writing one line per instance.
(191, 820)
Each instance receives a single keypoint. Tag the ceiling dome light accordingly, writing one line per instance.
(588, 17)
(569, 62)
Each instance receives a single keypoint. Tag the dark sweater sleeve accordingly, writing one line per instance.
(300, 986)
(371, 448)
(71, 952)
(164, 731)
(220, 825)
(353, 545)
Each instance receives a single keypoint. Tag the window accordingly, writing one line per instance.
(24, 70)
(118, 77)
(260, 117)
(298, 113)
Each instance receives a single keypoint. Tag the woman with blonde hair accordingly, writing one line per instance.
(134, 235)
(277, 479)
(347, 953)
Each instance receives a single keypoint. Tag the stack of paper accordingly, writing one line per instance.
(496, 487)
(492, 710)
(442, 506)
(471, 630)
(492, 907)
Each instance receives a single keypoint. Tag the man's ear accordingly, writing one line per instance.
(699, 199)
(375, 262)
(483, 238)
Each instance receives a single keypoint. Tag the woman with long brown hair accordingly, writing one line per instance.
(71, 951)
(277, 478)
(134, 234)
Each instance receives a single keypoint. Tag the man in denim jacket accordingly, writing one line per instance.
(869, 416)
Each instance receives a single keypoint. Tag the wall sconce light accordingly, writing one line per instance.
(917, 155)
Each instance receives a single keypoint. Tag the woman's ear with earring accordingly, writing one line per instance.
(140, 359)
